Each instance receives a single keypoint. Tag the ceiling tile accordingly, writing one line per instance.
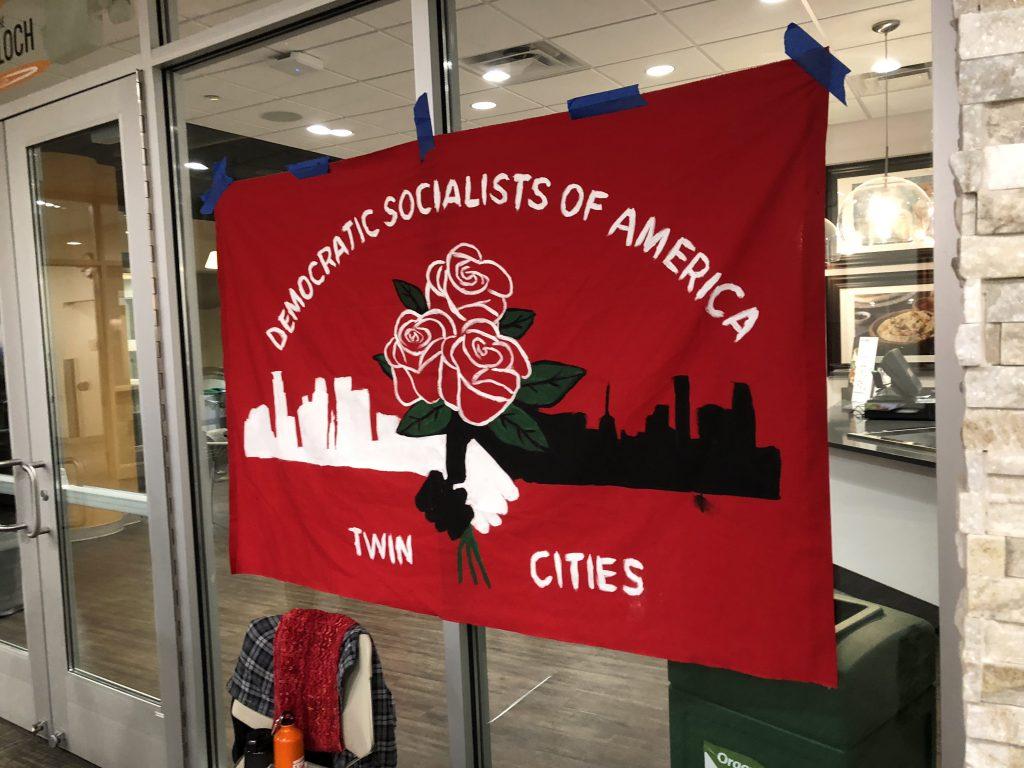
(361, 131)
(190, 9)
(253, 115)
(357, 148)
(907, 50)
(232, 61)
(390, 120)
(264, 78)
(402, 84)
(626, 40)
(662, 86)
(387, 14)
(92, 60)
(192, 94)
(300, 137)
(366, 56)
(559, 18)
(323, 35)
(900, 102)
(506, 102)
(558, 90)
(725, 19)
(227, 124)
(749, 51)
(689, 64)
(826, 8)
(352, 99)
(403, 32)
(837, 113)
(513, 116)
(233, 12)
(853, 29)
(666, 5)
(483, 29)
(470, 82)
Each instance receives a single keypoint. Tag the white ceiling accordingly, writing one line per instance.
(367, 86)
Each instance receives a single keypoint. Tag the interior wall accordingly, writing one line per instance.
(909, 134)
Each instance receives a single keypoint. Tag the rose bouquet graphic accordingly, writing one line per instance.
(457, 364)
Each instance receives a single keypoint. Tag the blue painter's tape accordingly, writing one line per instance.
(606, 101)
(306, 169)
(819, 63)
(424, 128)
(220, 182)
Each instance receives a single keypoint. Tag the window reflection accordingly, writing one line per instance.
(354, 89)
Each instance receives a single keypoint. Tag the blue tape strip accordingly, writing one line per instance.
(424, 128)
(606, 101)
(306, 169)
(816, 59)
(220, 182)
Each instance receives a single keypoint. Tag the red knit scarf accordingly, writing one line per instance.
(306, 651)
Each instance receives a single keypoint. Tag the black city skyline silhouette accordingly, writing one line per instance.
(723, 458)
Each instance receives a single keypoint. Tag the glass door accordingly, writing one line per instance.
(94, 539)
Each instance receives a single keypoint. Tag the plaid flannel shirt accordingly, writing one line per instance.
(253, 685)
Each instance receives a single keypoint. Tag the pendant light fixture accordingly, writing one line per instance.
(887, 212)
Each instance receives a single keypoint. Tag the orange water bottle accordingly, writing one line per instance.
(288, 750)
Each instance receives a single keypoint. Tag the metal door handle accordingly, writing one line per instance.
(34, 526)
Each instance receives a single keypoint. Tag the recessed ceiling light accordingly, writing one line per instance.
(319, 130)
(660, 70)
(212, 97)
(194, 165)
(885, 65)
(342, 132)
(772, 2)
(73, 242)
(211, 260)
(496, 76)
(483, 105)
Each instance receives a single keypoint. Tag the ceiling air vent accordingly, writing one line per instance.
(902, 79)
(523, 63)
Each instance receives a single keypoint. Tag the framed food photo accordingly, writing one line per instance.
(875, 230)
(896, 307)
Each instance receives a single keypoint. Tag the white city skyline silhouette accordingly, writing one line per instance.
(342, 437)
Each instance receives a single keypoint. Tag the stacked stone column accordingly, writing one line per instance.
(989, 170)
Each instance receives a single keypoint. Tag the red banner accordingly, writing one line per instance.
(562, 377)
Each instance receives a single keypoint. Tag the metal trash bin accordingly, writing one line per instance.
(881, 714)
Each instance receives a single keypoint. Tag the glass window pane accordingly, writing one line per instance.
(553, 702)
(81, 233)
(12, 619)
(248, 109)
(43, 42)
(558, 703)
(187, 17)
(574, 706)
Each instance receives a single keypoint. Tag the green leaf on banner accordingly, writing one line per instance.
(384, 365)
(516, 427)
(516, 322)
(548, 383)
(410, 296)
(425, 419)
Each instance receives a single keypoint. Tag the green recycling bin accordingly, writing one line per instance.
(881, 715)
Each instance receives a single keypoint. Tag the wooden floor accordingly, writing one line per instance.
(594, 707)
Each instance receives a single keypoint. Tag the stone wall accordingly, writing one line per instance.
(989, 170)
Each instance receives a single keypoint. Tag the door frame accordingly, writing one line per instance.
(74, 697)
(17, 674)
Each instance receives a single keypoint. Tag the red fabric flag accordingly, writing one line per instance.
(563, 377)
